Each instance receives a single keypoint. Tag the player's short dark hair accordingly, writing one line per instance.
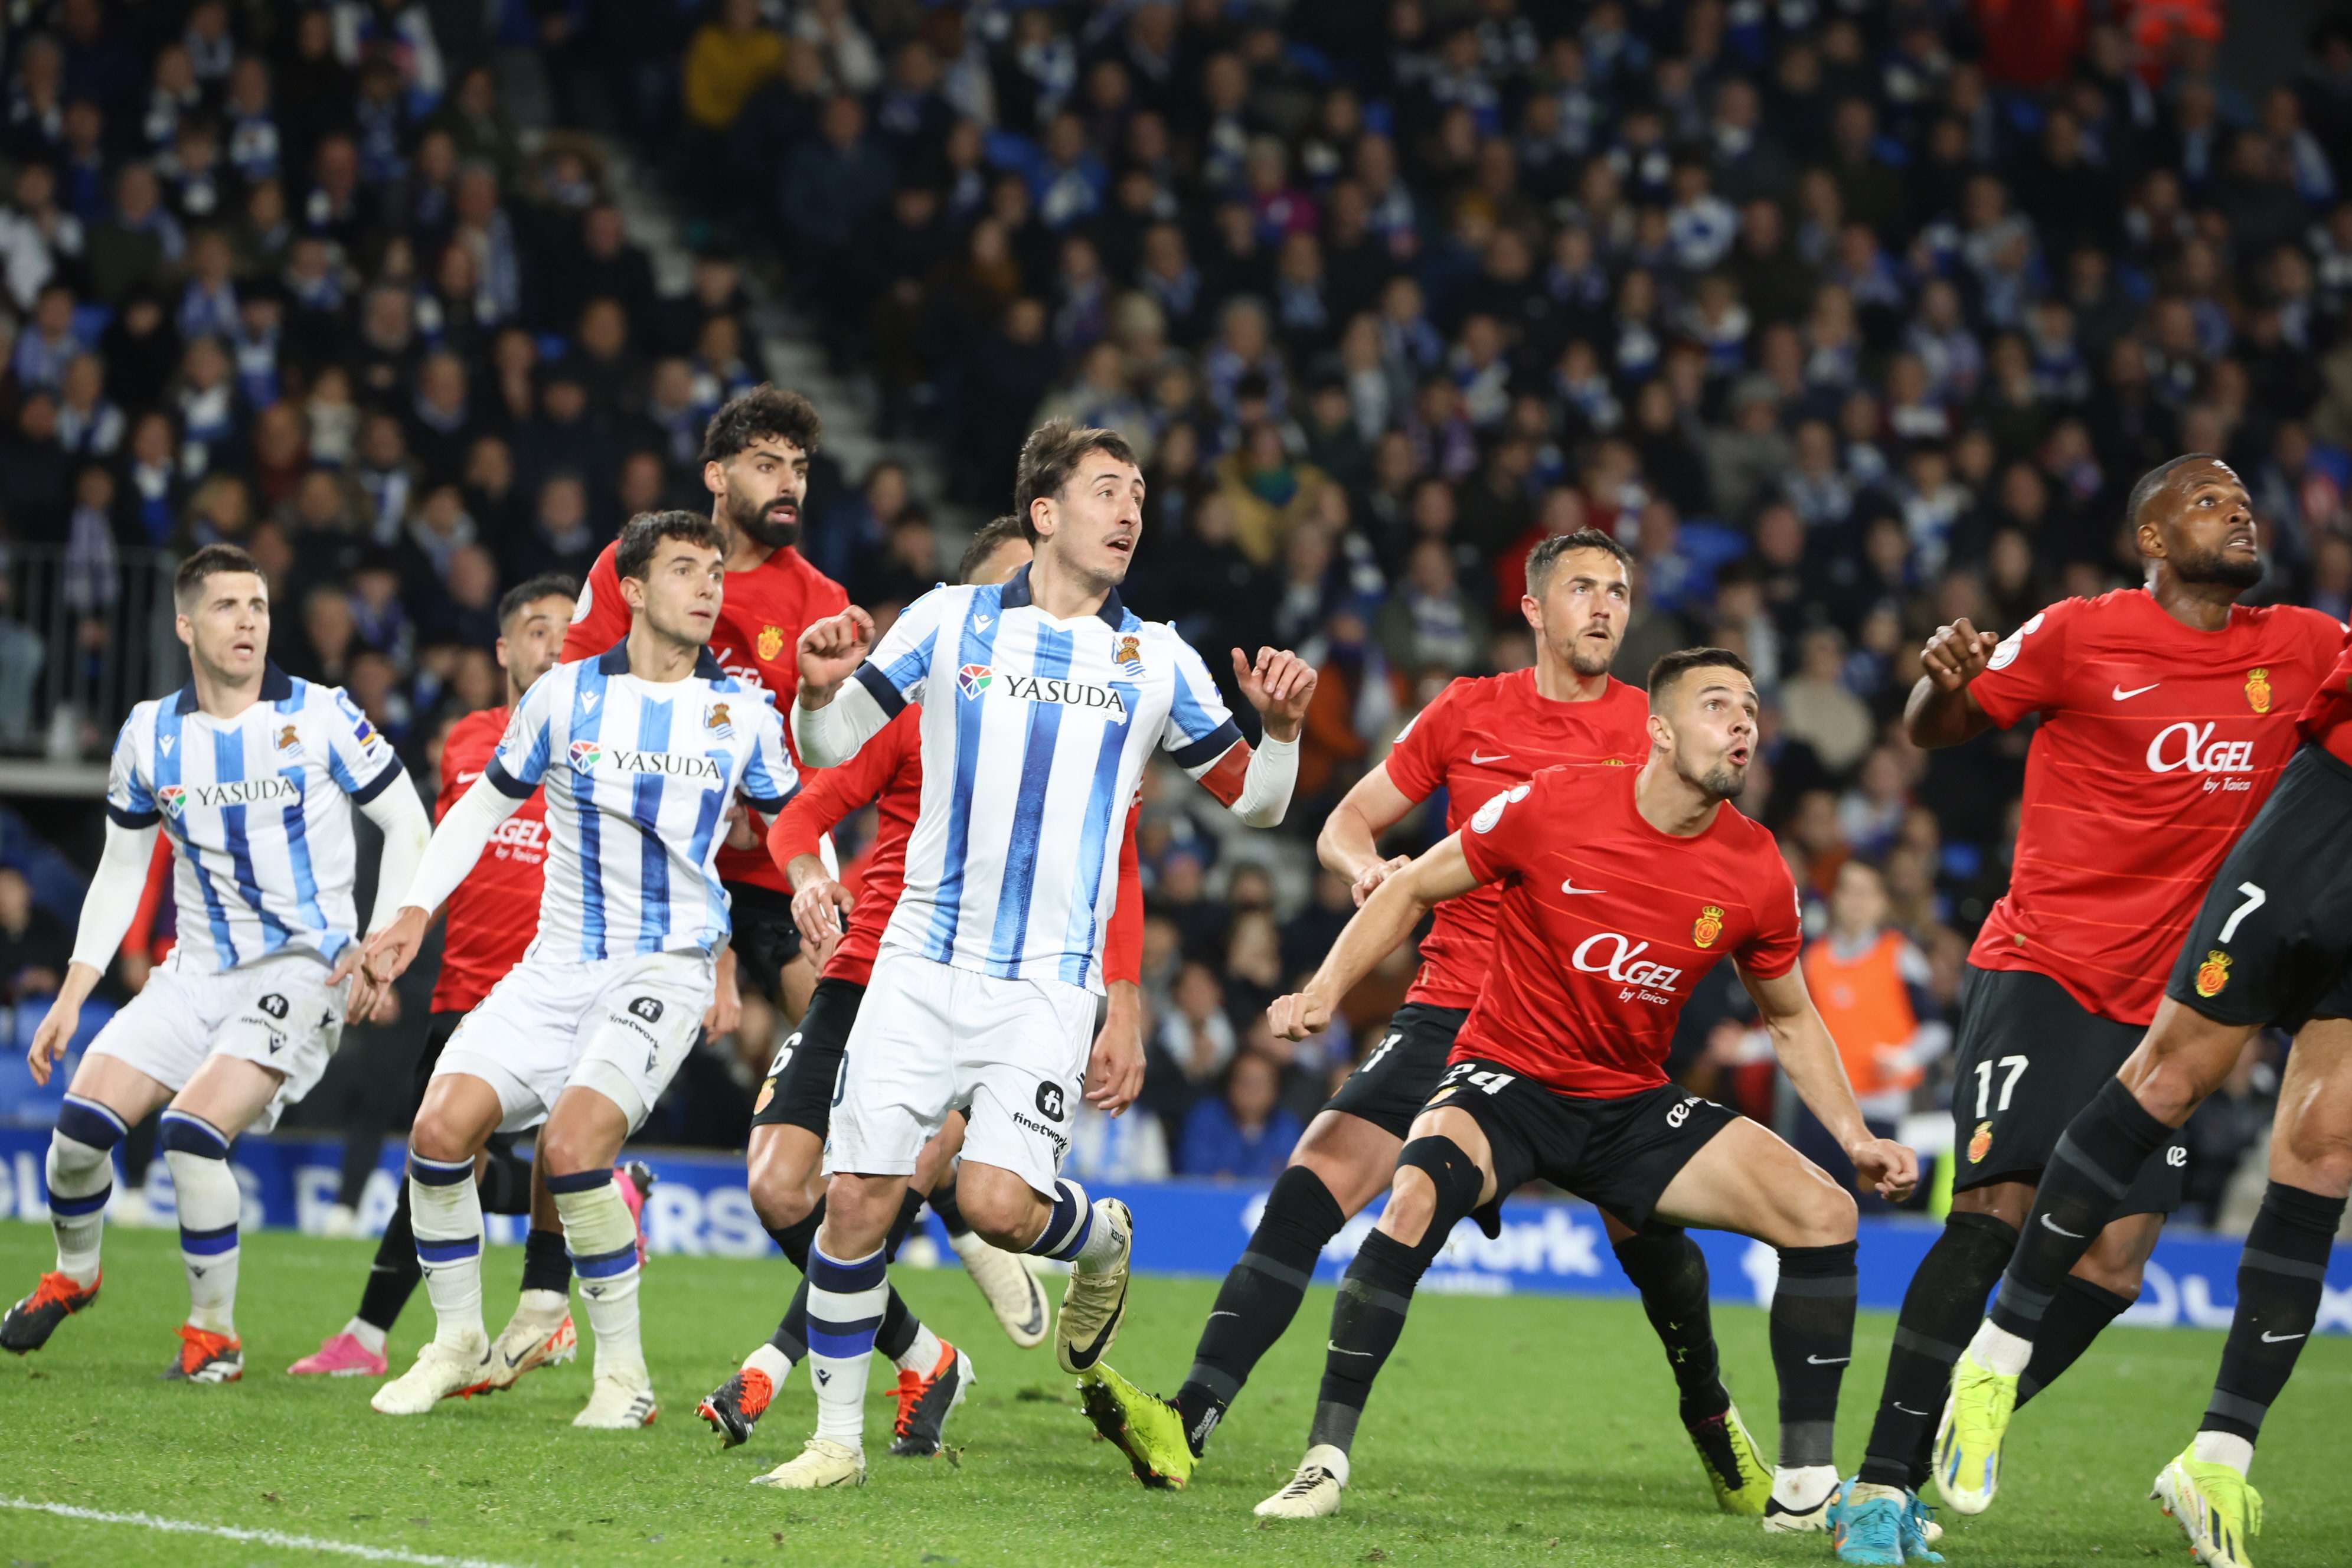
(1667, 673)
(634, 556)
(1051, 456)
(1548, 552)
(761, 411)
(530, 591)
(987, 543)
(211, 560)
(2154, 483)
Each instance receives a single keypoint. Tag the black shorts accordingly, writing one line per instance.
(2030, 1058)
(764, 938)
(805, 1079)
(438, 1029)
(1617, 1154)
(1391, 1085)
(2272, 944)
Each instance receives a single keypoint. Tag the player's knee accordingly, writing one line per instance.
(2313, 1149)
(1436, 1184)
(1822, 1214)
(1002, 1216)
(571, 1149)
(780, 1195)
(2110, 1270)
(85, 1134)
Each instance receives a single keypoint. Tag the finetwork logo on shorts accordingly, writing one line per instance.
(1049, 1101)
(649, 1008)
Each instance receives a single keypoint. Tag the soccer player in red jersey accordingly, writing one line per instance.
(491, 919)
(794, 1108)
(1618, 889)
(2270, 946)
(1480, 735)
(2166, 714)
(755, 459)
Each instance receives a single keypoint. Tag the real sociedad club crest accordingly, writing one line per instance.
(975, 679)
(585, 755)
(1128, 656)
(716, 721)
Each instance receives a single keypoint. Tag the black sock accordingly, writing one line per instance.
(394, 1275)
(2280, 1276)
(545, 1264)
(2098, 1157)
(797, 1237)
(1260, 1296)
(1666, 1265)
(2075, 1316)
(791, 1335)
(1941, 1308)
(1812, 1339)
(1365, 1324)
(911, 1203)
(506, 1183)
(943, 1203)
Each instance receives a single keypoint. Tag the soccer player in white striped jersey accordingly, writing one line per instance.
(644, 751)
(1042, 698)
(252, 774)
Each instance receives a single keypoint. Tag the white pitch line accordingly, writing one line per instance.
(278, 1537)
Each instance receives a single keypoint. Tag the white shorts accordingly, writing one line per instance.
(277, 1012)
(618, 1026)
(931, 1038)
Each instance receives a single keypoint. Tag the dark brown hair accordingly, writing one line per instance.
(762, 410)
(986, 543)
(211, 560)
(634, 556)
(1051, 456)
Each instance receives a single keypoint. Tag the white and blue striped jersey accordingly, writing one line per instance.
(1035, 732)
(258, 810)
(638, 777)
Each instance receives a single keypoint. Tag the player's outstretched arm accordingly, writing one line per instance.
(1386, 918)
(1350, 845)
(1941, 711)
(106, 912)
(455, 845)
(1809, 1056)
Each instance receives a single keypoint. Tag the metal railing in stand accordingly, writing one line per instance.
(83, 635)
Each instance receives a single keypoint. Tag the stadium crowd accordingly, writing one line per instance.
(1848, 319)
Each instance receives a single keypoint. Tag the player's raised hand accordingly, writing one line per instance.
(1956, 654)
(1279, 685)
(56, 1033)
(820, 910)
(1887, 1168)
(1298, 1016)
(831, 648)
(1368, 879)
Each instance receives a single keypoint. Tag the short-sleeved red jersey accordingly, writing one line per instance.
(1478, 737)
(888, 770)
(1603, 926)
(757, 641)
(2327, 717)
(494, 913)
(2158, 745)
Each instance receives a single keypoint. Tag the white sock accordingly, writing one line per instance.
(923, 1354)
(967, 1243)
(370, 1337)
(444, 1208)
(845, 1302)
(2005, 1353)
(1803, 1486)
(210, 1205)
(772, 1362)
(603, 1241)
(549, 1304)
(1104, 1244)
(2223, 1448)
(81, 1179)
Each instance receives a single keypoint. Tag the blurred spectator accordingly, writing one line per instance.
(1243, 1131)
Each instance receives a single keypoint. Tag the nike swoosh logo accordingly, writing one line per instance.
(2271, 1339)
(1906, 1409)
(1570, 887)
(470, 778)
(1335, 1350)
(2121, 695)
(1224, 1314)
(1477, 761)
(1827, 1359)
(515, 1361)
(1087, 1355)
(2056, 1229)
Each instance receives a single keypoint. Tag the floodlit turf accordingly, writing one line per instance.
(1525, 1430)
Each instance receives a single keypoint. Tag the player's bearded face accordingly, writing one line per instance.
(1715, 740)
(227, 629)
(1584, 610)
(535, 646)
(2212, 536)
(764, 497)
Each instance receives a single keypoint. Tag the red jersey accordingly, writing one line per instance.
(494, 913)
(757, 641)
(1603, 926)
(1480, 736)
(889, 772)
(2327, 717)
(2158, 745)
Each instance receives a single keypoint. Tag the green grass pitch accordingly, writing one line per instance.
(1514, 1430)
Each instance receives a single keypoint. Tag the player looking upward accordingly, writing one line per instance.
(1042, 699)
(645, 747)
(251, 774)
(1481, 735)
(1620, 888)
(2166, 714)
